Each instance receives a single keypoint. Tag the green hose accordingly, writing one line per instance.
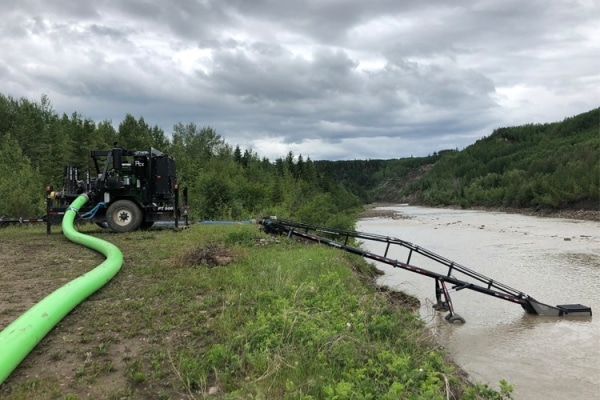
(23, 334)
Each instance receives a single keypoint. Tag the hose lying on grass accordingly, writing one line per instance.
(23, 334)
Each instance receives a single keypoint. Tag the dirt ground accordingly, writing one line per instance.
(91, 364)
(30, 270)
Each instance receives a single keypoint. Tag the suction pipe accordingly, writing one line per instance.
(23, 334)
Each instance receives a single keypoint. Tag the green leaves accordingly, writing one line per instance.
(223, 184)
(20, 186)
(535, 165)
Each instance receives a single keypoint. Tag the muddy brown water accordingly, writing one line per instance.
(556, 261)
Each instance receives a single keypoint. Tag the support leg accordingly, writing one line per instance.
(451, 316)
(440, 305)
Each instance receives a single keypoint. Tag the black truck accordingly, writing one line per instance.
(129, 190)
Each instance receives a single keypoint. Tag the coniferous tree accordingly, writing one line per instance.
(20, 184)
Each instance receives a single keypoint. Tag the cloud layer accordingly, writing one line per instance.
(328, 79)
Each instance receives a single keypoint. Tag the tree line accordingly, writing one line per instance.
(551, 166)
(224, 182)
(543, 166)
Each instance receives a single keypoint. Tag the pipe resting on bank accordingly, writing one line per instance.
(23, 334)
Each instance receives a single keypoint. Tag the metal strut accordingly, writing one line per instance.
(481, 284)
(446, 304)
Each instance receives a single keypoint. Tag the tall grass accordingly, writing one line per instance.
(228, 312)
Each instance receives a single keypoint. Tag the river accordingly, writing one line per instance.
(556, 261)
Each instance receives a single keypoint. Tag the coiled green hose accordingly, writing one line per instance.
(23, 334)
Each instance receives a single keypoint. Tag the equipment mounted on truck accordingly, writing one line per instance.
(131, 189)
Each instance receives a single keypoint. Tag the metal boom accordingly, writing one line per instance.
(481, 284)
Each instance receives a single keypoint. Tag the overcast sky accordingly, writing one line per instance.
(328, 79)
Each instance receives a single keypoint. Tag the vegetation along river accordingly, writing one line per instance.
(556, 261)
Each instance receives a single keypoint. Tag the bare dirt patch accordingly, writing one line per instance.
(400, 299)
(212, 255)
(70, 357)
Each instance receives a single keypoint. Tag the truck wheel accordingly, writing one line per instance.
(123, 216)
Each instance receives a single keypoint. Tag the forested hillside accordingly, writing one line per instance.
(550, 166)
(377, 180)
(224, 183)
(543, 166)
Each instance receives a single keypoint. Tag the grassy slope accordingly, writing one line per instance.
(220, 312)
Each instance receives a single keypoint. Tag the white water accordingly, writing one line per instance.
(555, 261)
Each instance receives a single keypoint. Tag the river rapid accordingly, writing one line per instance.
(556, 261)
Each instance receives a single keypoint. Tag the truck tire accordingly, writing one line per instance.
(123, 216)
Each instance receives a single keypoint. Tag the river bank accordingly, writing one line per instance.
(372, 211)
(555, 260)
(219, 312)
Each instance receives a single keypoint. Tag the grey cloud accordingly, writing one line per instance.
(63, 8)
(418, 77)
(187, 19)
(275, 75)
(107, 31)
(324, 20)
(330, 89)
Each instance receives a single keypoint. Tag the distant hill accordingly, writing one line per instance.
(543, 166)
(376, 180)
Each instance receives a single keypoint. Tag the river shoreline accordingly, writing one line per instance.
(554, 260)
(371, 211)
